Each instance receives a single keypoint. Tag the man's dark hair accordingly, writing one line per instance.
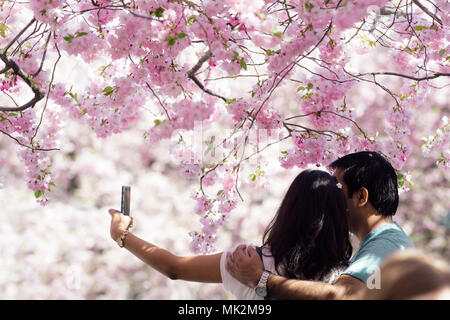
(372, 171)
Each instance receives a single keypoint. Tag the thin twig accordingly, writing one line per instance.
(48, 94)
(43, 56)
(159, 100)
(26, 146)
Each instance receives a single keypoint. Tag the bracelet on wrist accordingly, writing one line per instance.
(121, 240)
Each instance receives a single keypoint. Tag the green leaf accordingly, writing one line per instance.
(108, 91)
(159, 12)
(190, 4)
(210, 146)
(38, 193)
(310, 86)
(243, 64)
(73, 95)
(306, 96)
(277, 34)
(191, 20)
(229, 101)
(32, 83)
(3, 29)
(441, 52)
(301, 88)
(12, 114)
(419, 28)
(259, 172)
(80, 34)
(157, 122)
(269, 52)
(68, 39)
(181, 35)
(309, 6)
(170, 41)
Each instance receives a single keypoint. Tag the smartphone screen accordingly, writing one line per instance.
(125, 207)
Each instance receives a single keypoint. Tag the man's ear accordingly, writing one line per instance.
(362, 197)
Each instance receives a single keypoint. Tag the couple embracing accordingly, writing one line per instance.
(306, 251)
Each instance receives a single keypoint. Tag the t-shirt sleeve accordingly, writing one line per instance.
(227, 278)
(365, 264)
(233, 285)
(368, 259)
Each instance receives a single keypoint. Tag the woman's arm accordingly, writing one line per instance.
(195, 268)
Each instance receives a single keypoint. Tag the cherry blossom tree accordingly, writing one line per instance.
(227, 87)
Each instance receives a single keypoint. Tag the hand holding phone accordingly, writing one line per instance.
(125, 206)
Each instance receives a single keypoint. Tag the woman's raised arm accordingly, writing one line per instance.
(195, 268)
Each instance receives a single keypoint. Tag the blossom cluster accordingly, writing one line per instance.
(163, 66)
(439, 141)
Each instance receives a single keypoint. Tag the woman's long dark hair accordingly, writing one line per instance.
(309, 235)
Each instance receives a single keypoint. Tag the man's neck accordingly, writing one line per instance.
(373, 222)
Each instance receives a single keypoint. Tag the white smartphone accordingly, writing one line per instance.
(125, 206)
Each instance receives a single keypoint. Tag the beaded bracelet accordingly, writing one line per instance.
(121, 240)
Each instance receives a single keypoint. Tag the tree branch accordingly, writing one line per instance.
(38, 93)
(18, 36)
(327, 111)
(191, 75)
(434, 76)
(428, 12)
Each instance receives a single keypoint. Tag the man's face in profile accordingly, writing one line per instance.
(339, 174)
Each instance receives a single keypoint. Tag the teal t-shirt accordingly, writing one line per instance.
(376, 246)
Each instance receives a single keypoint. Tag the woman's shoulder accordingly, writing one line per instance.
(333, 275)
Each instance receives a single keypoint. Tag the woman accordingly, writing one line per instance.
(307, 239)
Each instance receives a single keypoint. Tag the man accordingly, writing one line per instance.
(369, 183)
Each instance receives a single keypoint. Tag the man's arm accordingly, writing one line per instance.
(347, 287)
(248, 269)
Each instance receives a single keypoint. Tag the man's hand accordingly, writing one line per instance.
(246, 268)
(119, 223)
